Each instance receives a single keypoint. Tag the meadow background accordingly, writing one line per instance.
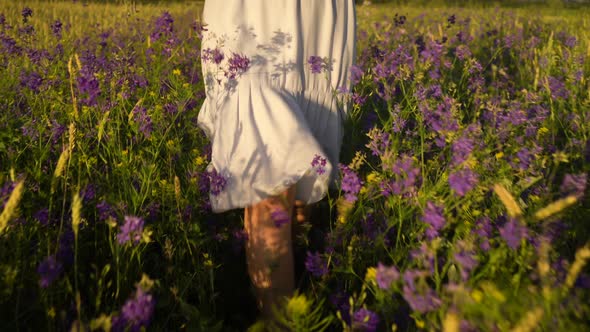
(462, 204)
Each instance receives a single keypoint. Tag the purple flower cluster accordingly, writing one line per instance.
(466, 259)
(484, 229)
(462, 149)
(26, 14)
(380, 141)
(463, 181)
(574, 184)
(105, 211)
(141, 116)
(351, 183)
(56, 28)
(88, 86)
(280, 217)
(365, 320)
(237, 65)
(31, 80)
(318, 64)
(212, 55)
(420, 300)
(136, 313)
(406, 178)
(356, 74)
(163, 26)
(434, 218)
(42, 215)
(513, 232)
(49, 270)
(316, 264)
(386, 276)
(319, 163)
(131, 230)
(216, 182)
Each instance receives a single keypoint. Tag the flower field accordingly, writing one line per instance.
(462, 204)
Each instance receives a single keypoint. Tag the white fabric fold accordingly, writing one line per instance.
(267, 125)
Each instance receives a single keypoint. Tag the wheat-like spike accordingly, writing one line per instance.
(61, 162)
(78, 62)
(508, 201)
(177, 191)
(451, 322)
(11, 204)
(529, 321)
(556, 207)
(76, 213)
(72, 137)
(101, 125)
(582, 256)
(130, 117)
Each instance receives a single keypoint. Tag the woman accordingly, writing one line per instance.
(271, 68)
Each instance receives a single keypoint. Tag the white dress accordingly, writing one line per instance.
(268, 122)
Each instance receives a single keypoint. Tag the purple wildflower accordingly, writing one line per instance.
(319, 163)
(406, 177)
(118, 323)
(425, 256)
(215, 55)
(557, 88)
(163, 26)
(171, 109)
(340, 300)
(379, 141)
(365, 320)
(131, 230)
(89, 86)
(574, 184)
(280, 217)
(483, 228)
(31, 80)
(238, 64)
(513, 232)
(433, 216)
(88, 193)
(358, 99)
(143, 120)
(451, 19)
(466, 260)
(317, 64)
(462, 52)
(421, 302)
(42, 216)
(217, 182)
(350, 184)
(462, 148)
(56, 28)
(105, 211)
(49, 270)
(26, 13)
(356, 73)
(386, 276)
(138, 310)
(316, 264)
(463, 181)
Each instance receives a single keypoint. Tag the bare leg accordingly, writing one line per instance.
(269, 251)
